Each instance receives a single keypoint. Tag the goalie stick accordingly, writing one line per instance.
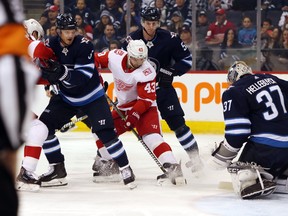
(136, 134)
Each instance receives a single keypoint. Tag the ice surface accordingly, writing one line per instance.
(82, 197)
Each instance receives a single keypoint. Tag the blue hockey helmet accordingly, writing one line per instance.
(150, 14)
(65, 22)
(237, 70)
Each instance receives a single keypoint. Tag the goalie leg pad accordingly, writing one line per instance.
(282, 186)
(250, 181)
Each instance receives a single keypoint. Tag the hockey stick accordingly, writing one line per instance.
(122, 116)
(72, 122)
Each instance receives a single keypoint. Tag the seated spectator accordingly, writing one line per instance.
(217, 29)
(103, 43)
(160, 4)
(201, 28)
(81, 24)
(44, 16)
(185, 34)
(247, 35)
(283, 49)
(269, 47)
(183, 6)
(115, 12)
(52, 31)
(216, 4)
(229, 49)
(176, 22)
(82, 9)
(114, 44)
(202, 5)
(52, 15)
(105, 18)
(283, 22)
(266, 28)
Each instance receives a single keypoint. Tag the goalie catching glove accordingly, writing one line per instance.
(165, 77)
(54, 71)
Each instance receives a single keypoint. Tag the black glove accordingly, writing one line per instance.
(165, 77)
(54, 72)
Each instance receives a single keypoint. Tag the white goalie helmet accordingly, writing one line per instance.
(137, 49)
(237, 70)
(32, 25)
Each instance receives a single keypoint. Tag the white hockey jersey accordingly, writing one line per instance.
(130, 85)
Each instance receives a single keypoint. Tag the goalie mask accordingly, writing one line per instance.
(31, 26)
(237, 70)
(137, 49)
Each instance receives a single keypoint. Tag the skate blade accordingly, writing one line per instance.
(111, 178)
(131, 185)
(21, 186)
(55, 183)
(180, 181)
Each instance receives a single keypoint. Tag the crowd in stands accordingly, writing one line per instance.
(226, 30)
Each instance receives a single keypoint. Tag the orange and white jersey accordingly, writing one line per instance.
(131, 85)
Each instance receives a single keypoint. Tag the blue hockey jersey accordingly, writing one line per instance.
(255, 108)
(83, 83)
(165, 50)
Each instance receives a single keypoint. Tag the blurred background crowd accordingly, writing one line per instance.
(255, 31)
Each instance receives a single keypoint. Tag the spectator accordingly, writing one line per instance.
(114, 44)
(86, 27)
(269, 49)
(52, 31)
(115, 11)
(82, 9)
(105, 18)
(186, 36)
(184, 8)
(266, 28)
(202, 5)
(52, 15)
(201, 28)
(283, 22)
(160, 4)
(176, 22)
(283, 48)
(103, 43)
(229, 49)
(224, 4)
(216, 30)
(44, 16)
(247, 35)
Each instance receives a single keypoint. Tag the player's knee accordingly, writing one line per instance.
(175, 122)
(107, 135)
(153, 140)
(38, 133)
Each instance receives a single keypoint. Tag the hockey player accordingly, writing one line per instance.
(17, 81)
(255, 113)
(80, 89)
(135, 87)
(171, 58)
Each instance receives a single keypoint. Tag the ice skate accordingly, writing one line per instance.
(105, 170)
(174, 174)
(128, 177)
(55, 176)
(27, 181)
(195, 163)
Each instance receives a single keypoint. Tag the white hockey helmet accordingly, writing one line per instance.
(32, 25)
(237, 70)
(137, 49)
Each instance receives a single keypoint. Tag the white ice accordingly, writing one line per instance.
(82, 197)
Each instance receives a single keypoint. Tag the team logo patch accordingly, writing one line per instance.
(122, 86)
(147, 71)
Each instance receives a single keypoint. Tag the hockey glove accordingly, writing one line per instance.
(165, 77)
(54, 72)
(132, 118)
(222, 155)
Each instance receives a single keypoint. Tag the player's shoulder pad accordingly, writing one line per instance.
(145, 73)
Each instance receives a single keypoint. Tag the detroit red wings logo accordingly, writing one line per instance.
(122, 86)
(147, 71)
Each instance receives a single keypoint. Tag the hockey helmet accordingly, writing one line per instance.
(237, 70)
(137, 49)
(65, 22)
(150, 14)
(32, 25)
